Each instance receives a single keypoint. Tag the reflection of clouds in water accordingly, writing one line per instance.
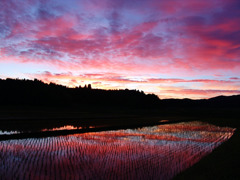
(184, 131)
(157, 152)
(66, 127)
(8, 132)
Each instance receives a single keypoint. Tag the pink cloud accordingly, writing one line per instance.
(207, 87)
(234, 78)
(198, 94)
(55, 27)
(145, 38)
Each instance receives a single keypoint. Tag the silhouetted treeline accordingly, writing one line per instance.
(36, 92)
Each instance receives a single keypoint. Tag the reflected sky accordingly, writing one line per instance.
(67, 127)
(157, 152)
(40, 129)
(8, 132)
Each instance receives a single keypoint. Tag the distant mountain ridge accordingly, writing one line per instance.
(37, 93)
(219, 101)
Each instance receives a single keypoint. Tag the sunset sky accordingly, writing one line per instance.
(172, 48)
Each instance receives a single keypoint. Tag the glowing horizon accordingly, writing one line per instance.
(187, 49)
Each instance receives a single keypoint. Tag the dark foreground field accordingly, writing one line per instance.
(221, 164)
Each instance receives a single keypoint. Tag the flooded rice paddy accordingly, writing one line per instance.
(157, 152)
(9, 132)
(60, 128)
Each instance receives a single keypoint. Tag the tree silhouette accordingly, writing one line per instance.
(36, 92)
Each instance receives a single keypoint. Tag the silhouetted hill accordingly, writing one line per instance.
(225, 101)
(216, 102)
(35, 92)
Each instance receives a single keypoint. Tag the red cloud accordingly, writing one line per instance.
(143, 38)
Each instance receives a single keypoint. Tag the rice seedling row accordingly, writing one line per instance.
(158, 152)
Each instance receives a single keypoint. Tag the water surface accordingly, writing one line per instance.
(157, 152)
(59, 128)
(8, 132)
